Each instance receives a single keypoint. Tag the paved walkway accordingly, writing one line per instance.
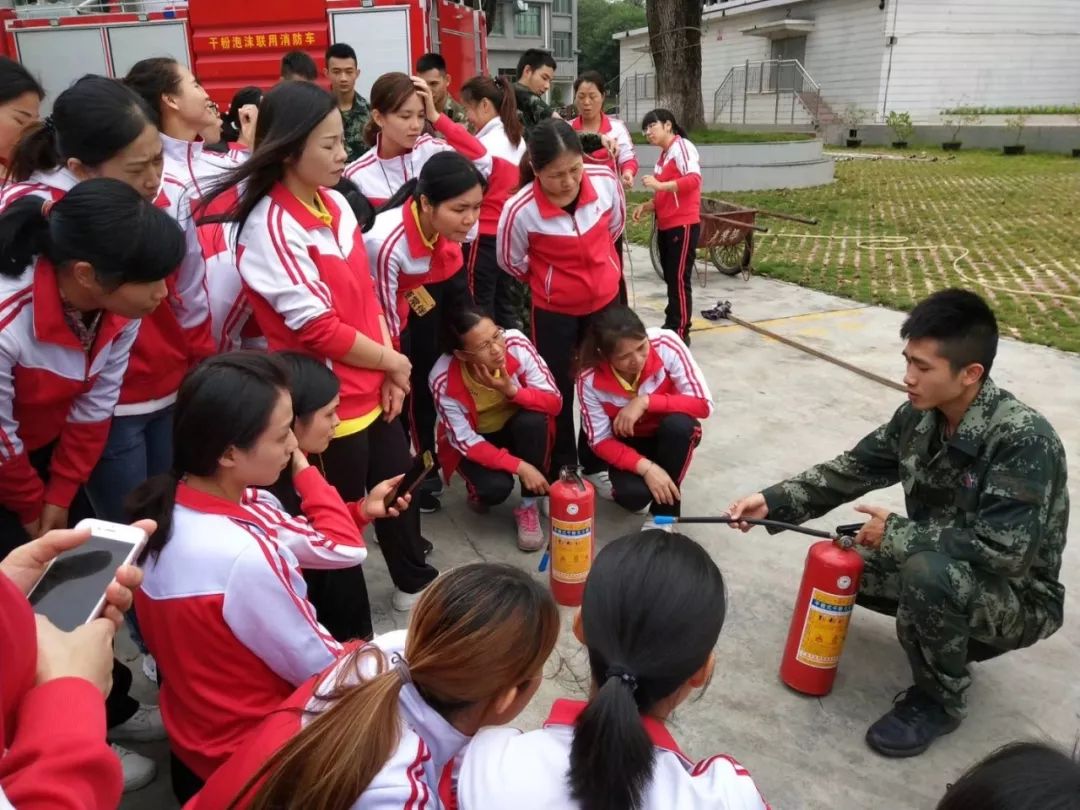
(778, 411)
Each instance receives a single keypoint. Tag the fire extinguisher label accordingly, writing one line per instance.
(571, 549)
(825, 629)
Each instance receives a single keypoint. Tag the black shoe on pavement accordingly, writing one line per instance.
(432, 484)
(427, 502)
(428, 548)
(914, 722)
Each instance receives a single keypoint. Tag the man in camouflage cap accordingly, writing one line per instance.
(972, 571)
(535, 70)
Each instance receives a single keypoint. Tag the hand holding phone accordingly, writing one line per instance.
(422, 465)
(75, 586)
(86, 652)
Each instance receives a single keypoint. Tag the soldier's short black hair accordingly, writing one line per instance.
(535, 58)
(340, 50)
(431, 61)
(298, 65)
(961, 322)
(1020, 776)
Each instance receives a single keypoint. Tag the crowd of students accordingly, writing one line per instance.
(240, 343)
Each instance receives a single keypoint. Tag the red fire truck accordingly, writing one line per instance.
(232, 43)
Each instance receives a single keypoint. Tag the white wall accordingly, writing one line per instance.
(843, 54)
(987, 53)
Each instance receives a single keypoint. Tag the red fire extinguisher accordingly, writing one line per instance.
(822, 613)
(573, 506)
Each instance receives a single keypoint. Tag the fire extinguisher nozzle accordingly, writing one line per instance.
(665, 520)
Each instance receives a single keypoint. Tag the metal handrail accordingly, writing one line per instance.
(767, 77)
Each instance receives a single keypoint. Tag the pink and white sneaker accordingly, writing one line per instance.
(530, 535)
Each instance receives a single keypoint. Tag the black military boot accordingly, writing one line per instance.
(915, 721)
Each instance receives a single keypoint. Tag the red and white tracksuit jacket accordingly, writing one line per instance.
(51, 389)
(613, 128)
(223, 609)
(505, 173)
(568, 260)
(679, 162)
(670, 379)
(174, 336)
(378, 178)
(457, 434)
(410, 778)
(310, 287)
(400, 262)
(502, 767)
(53, 754)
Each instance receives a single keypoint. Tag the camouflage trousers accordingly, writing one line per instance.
(947, 614)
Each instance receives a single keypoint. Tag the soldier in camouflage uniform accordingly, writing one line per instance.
(972, 570)
(342, 71)
(431, 67)
(535, 70)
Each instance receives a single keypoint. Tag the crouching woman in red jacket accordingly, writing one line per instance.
(497, 401)
(71, 294)
(641, 397)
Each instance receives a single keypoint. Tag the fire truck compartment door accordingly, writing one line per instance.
(130, 43)
(59, 56)
(381, 38)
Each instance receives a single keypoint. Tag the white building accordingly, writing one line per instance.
(764, 60)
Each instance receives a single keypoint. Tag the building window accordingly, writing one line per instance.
(562, 7)
(562, 45)
(527, 23)
(498, 25)
(509, 73)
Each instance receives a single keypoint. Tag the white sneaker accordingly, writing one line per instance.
(139, 771)
(652, 524)
(404, 602)
(530, 535)
(601, 481)
(145, 725)
(149, 668)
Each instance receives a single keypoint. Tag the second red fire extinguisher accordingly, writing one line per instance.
(823, 609)
(573, 505)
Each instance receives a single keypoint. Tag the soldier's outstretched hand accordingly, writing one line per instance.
(752, 506)
(873, 531)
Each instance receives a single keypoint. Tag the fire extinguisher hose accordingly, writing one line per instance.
(669, 520)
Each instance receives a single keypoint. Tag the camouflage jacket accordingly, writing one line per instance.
(355, 120)
(531, 107)
(452, 110)
(455, 112)
(993, 495)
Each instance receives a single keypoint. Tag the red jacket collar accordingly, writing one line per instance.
(566, 712)
(49, 323)
(455, 381)
(605, 124)
(548, 210)
(298, 211)
(210, 504)
(604, 376)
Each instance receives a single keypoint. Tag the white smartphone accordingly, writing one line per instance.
(71, 592)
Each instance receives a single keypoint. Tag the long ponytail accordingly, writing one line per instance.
(491, 607)
(225, 401)
(652, 611)
(502, 97)
(83, 226)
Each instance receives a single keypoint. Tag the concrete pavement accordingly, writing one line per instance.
(778, 411)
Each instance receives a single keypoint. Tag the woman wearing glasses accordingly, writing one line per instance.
(497, 402)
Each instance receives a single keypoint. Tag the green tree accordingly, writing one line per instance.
(597, 21)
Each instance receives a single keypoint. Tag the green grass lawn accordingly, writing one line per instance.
(1019, 218)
